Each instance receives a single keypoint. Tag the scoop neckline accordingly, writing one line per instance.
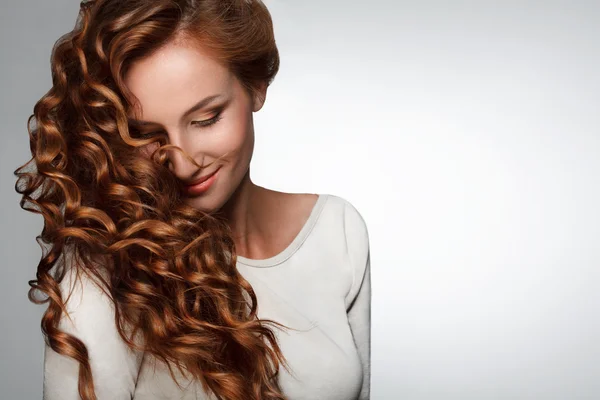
(295, 244)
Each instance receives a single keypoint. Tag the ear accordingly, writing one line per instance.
(259, 96)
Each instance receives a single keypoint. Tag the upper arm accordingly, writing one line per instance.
(92, 320)
(358, 300)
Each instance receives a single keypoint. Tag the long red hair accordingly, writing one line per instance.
(169, 269)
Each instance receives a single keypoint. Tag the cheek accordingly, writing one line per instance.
(237, 138)
(148, 149)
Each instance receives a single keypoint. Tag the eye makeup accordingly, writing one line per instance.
(208, 122)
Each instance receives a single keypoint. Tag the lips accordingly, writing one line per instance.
(202, 179)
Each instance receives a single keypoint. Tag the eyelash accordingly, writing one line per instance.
(208, 122)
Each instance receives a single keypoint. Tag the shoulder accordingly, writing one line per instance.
(89, 316)
(351, 219)
(348, 222)
(82, 293)
(89, 311)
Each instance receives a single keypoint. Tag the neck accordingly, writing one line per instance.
(244, 212)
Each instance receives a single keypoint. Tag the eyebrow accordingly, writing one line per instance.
(199, 105)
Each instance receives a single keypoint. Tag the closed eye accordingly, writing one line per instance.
(208, 122)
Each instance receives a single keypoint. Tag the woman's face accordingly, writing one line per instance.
(169, 85)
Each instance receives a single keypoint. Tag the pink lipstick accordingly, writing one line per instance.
(201, 185)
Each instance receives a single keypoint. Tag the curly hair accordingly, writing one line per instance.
(168, 268)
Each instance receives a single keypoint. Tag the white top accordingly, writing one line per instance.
(320, 284)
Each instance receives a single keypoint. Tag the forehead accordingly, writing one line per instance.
(176, 76)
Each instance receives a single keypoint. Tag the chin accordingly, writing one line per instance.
(200, 205)
(208, 202)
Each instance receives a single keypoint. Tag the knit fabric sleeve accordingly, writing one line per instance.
(358, 299)
(91, 319)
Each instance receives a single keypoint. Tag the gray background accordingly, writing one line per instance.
(467, 135)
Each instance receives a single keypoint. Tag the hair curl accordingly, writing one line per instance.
(169, 269)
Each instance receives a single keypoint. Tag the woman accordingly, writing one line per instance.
(169, 273)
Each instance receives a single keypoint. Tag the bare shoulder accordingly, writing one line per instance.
(300, 205)
(292, 205)
(287, 213)
(306, 200)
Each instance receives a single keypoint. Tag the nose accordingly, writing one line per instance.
(181, 166)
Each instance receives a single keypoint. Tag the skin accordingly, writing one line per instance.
(170, 82)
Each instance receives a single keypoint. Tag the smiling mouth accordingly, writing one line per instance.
(201, 185)
(200, 180)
